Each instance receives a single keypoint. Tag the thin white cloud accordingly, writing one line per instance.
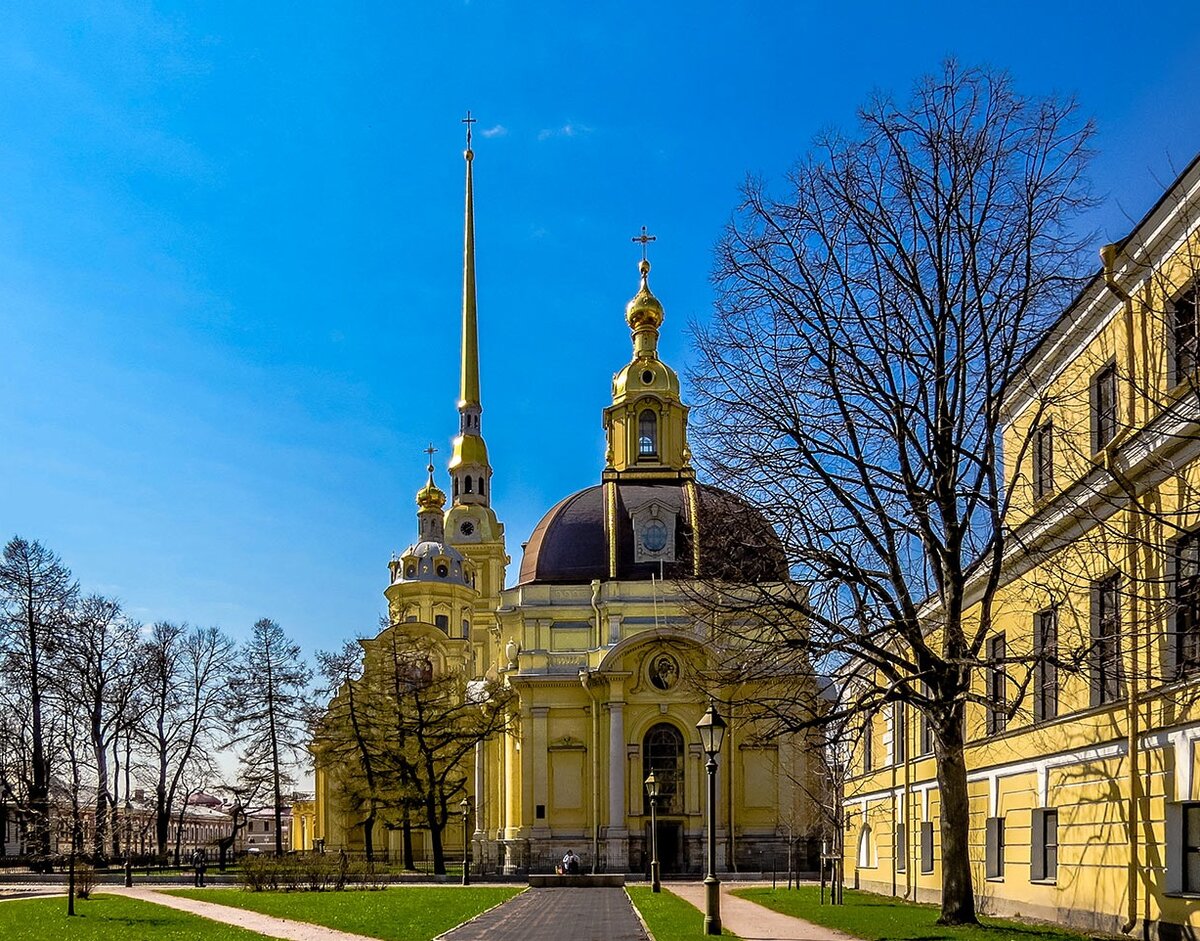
(570, 129)
(498, 130)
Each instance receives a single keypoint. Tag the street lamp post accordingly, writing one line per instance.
(466, 815)
(712, 733)
(652, 793)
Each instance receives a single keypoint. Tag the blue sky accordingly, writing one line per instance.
(230, 248)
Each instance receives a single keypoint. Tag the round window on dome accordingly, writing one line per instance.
(648, 376)
(442, 571)
(410, 572)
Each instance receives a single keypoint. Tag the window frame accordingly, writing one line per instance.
(1185, 618)
(1043, 460)
(994, 849)
(1186, 850)
(868, 745)
(997, 679)
(1181, 368)
(1043, 851)
(1104, 414)
(644, 452)
(1045, 671)
(1107, 682)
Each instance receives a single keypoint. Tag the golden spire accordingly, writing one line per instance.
(469, 390)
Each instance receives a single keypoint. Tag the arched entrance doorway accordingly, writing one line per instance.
(663, 753)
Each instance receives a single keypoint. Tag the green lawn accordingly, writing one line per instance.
(407, 913)
(882, 918)
(109, 918)
(669, 917)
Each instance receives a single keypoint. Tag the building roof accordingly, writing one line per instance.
(570, 544)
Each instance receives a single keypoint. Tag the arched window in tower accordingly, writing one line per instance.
(481, 485)
(662, 753)
(455, 488)
(647, 434)
(467, 484)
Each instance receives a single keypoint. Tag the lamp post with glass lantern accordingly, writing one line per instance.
(712, 734)
(465, 804)
(652, 793)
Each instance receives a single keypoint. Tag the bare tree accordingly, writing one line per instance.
(270, 689)
(187, 684)
(36, 594)
(868, 321)
(100, 666)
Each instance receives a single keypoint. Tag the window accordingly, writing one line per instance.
(900, 854)
(997, 714)
(926, 735)
(868, 747)
(1043, 461)
(1191, 847)
(994, 829)
(1044, 846)
(466, 627)
(865, 848)
(1107, 682)
(899, 732)
(662, 753)
(927, 846)
(481, 485)
(647, 434)
(467, 484)
(1183, 327)
(1104, 406)
(1045, 671)
(1187, 602)
(442, 621)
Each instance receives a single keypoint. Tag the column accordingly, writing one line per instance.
(480, 794)
(541, 771)
(617, 844)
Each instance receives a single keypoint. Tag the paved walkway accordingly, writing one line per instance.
(753, 922)
(267, 925)
(594, 914)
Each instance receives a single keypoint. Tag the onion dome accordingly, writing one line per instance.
(644, 310)
(431, 497)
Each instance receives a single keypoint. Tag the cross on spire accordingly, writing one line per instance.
(431, 450)
(468, 121)
(644, 239)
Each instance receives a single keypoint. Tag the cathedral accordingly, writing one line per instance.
(606, 662)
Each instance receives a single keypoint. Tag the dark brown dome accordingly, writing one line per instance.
(570, 544)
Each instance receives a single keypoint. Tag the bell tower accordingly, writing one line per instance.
(471, 523)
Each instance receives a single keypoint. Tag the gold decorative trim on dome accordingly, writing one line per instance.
(693, 499)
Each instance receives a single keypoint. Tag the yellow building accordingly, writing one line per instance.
(1085, 797)
(596, 642)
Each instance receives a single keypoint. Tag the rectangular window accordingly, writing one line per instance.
(899, 732)
(997, 715)
(1184, 335)
(1043, 460)
(868, 747)
(1043, 848)
(442, 621)
(927, 846)
(994, 828)
(1104, 406)
(1107, 679)
(1045, 671)
(1191, 847)
(1187, 603)
(901, 848)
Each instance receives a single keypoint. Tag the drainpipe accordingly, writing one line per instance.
(585, 677)
(1108, 256)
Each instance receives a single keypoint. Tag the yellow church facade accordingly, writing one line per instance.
(597, 644)
(1082, 759)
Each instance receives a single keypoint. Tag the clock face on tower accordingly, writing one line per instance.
(654, 536)
(466, 528)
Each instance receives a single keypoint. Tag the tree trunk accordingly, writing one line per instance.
(406, 842)
(958, 897)
(369, 838)
(435, 836)
(39, 791)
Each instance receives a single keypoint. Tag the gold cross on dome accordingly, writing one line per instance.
(468, 121)
(644, 239)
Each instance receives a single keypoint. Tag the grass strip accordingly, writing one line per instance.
(669, 917)
(399, 913)
(110, 918)
(883, 918)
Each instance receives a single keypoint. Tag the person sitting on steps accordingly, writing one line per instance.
(570, 863)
